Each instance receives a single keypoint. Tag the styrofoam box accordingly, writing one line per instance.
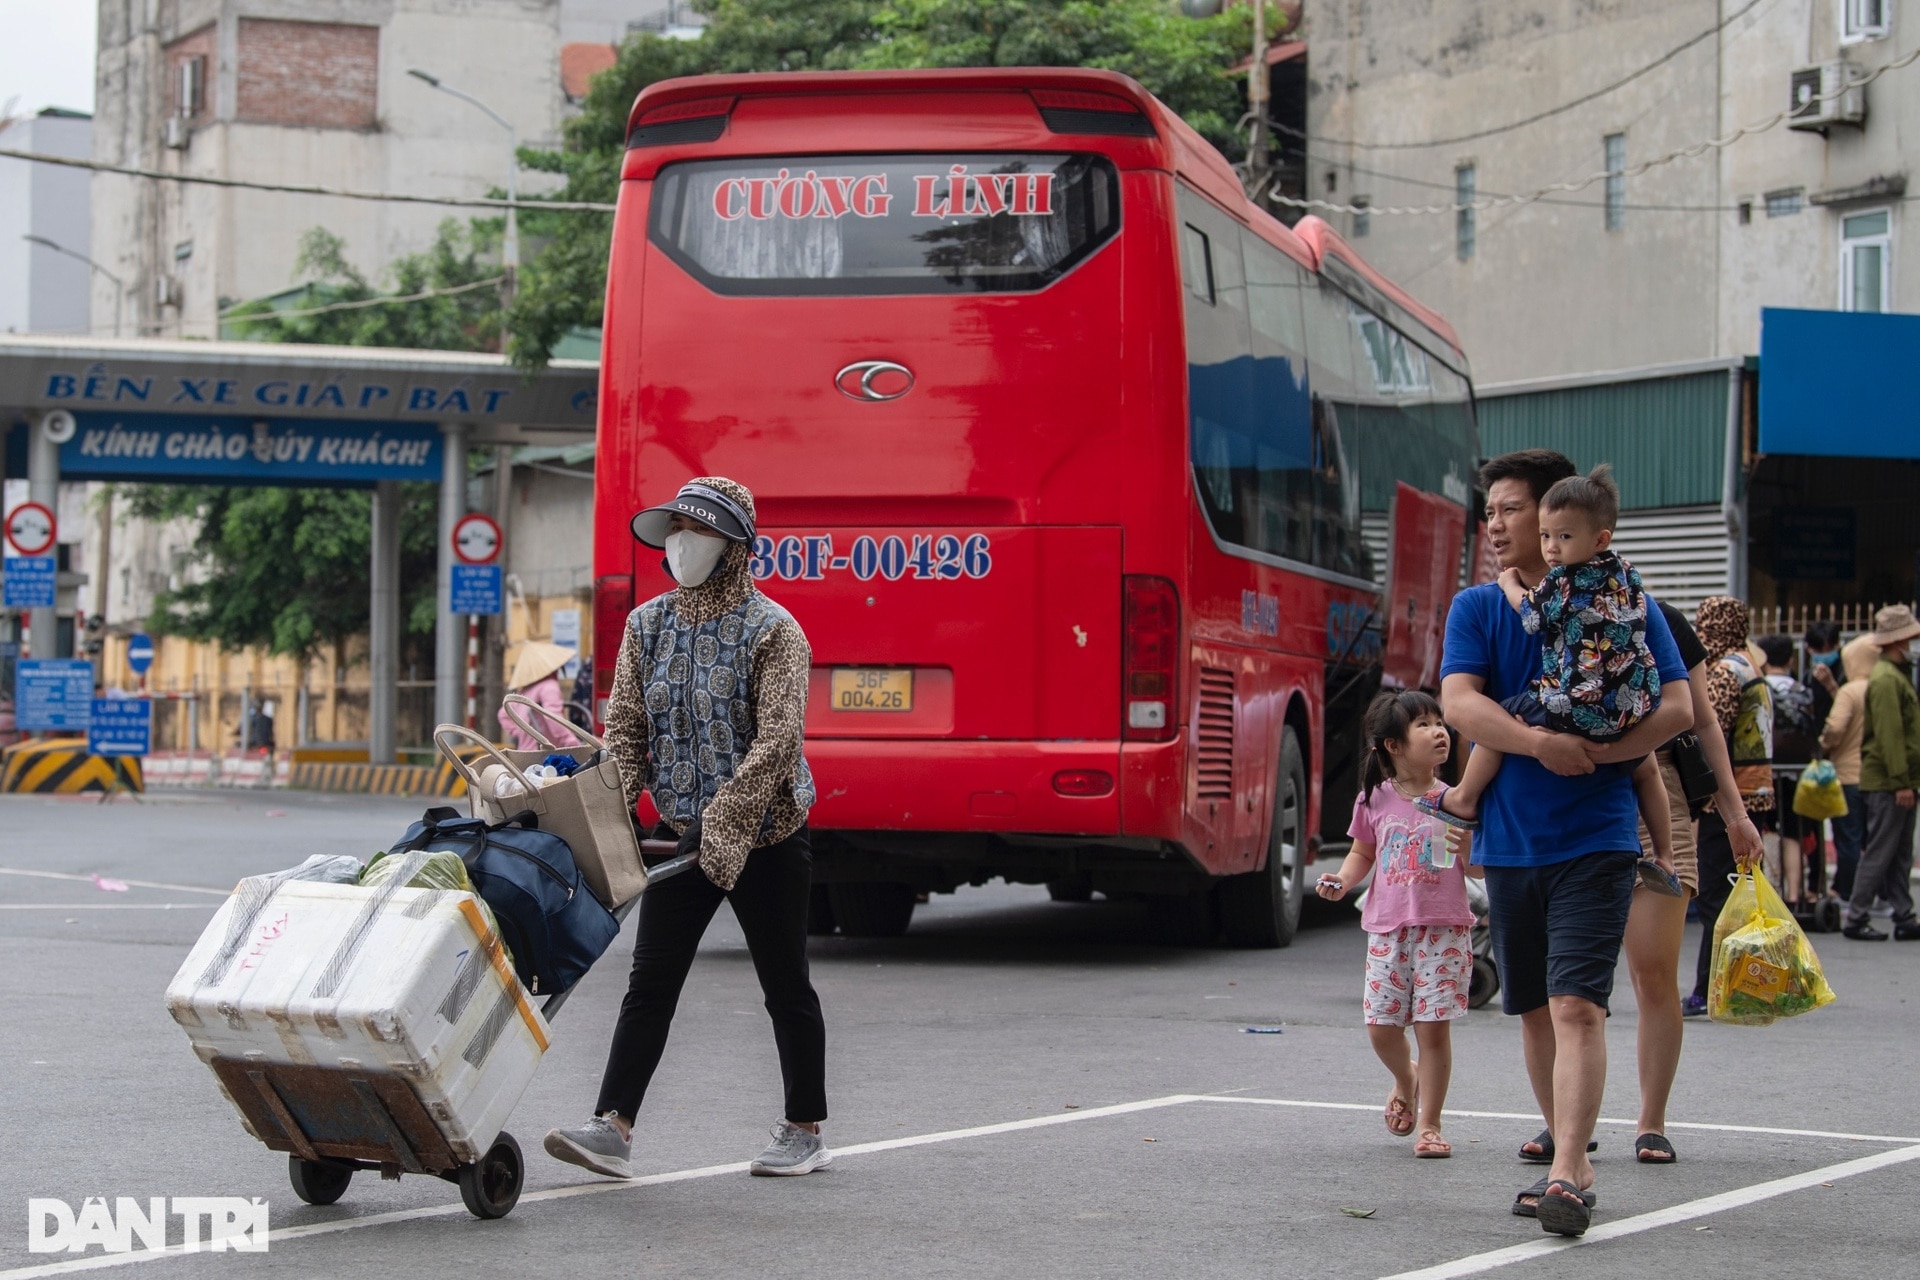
(410, 982)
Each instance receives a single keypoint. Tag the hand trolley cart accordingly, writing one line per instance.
(359, 1027)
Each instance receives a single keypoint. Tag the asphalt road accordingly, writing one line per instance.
(1019, 1088)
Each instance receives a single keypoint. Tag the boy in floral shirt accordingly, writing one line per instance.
(1598, 678)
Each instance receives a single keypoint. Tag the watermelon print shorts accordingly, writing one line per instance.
(1418, 973)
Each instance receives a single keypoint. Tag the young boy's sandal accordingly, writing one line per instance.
(1429, 804)
(1432, 1146)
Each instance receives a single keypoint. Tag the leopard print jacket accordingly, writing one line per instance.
(734, 762)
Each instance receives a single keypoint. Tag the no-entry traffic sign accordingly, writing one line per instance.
(476, 539)
(30, 529)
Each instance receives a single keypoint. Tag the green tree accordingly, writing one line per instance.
(340, 307)
(1183, 61)
(288, 569)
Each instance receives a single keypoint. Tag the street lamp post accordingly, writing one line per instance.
(510, 246)
(119, 286)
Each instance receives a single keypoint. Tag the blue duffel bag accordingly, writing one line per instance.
(549, 918)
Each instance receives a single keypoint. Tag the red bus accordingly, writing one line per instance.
(1105, 499)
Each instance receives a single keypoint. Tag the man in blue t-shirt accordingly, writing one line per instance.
(1558, 834)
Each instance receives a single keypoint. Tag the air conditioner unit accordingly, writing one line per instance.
(1827, 95)
(179, 133)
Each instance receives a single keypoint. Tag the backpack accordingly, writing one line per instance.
(1752, 741)
(549, 919)
(1795, 728)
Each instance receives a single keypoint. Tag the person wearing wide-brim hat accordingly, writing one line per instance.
(1889, 776)
(707, 711)
(536, 676)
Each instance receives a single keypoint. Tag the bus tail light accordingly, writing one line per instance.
(1149, 671)
(1083, 782)
(612, 602)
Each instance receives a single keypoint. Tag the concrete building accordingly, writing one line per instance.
(1632, 307)
(42, 289)
(312, 92)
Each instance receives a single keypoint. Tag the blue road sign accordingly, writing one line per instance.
(53, 693)
(31, 582)
(140, 653)
(476, 588)
(121, 727)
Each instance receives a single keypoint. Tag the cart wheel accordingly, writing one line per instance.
(1484, 985)
(1828, 916)
(316, 1181)
(492, 1187)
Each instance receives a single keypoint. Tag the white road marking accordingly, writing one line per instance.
(109, 906)
(138, 884)
(607, 1186)
(1534, 1118)
(1740, 1198)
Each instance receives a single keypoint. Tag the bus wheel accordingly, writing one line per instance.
(1262, 908)
(872, 910)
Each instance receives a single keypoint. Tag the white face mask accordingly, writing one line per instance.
(691, 557)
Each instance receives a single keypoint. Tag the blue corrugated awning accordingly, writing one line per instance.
(1839, 384)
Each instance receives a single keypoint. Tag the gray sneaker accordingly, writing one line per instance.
(595, 1145)
(792, 1151)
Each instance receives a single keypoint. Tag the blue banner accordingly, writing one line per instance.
(31, 582)
(121, 727)
(53, 693)
(476, 589)
(164, 446)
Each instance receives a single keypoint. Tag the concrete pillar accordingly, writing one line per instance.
(43, 486)
(449, 632)
(383, 630)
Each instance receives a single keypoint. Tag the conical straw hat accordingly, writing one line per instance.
(538, 659)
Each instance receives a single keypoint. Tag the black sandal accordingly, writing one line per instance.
(1521, 1209)
(1545, 1143)
(1565, 1215)
(1653, 1148)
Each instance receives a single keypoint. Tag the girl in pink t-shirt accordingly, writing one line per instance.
(1418, 923)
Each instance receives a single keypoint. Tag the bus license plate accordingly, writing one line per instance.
(872, 689)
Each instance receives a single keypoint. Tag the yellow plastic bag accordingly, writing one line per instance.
(1818, 794)
(1764, 968)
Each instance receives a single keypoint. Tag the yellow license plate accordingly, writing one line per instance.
(872, 689)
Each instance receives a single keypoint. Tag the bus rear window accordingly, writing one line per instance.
(844, 225)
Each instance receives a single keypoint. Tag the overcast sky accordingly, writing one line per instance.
(46, 59)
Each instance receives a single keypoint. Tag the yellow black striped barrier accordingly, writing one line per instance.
(61, 766)
(370, 779)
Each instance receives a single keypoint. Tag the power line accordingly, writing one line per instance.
(392, 197)
(1448, 186)
(232, 313)
(1550, 112)
(1632, 171)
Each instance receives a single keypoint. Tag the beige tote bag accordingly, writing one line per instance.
(588, 810)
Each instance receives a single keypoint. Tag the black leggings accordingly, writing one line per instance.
(770, 901)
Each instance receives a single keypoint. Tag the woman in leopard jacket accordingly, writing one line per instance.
(708, 704)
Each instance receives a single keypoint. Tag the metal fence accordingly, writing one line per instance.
(1793, 620)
